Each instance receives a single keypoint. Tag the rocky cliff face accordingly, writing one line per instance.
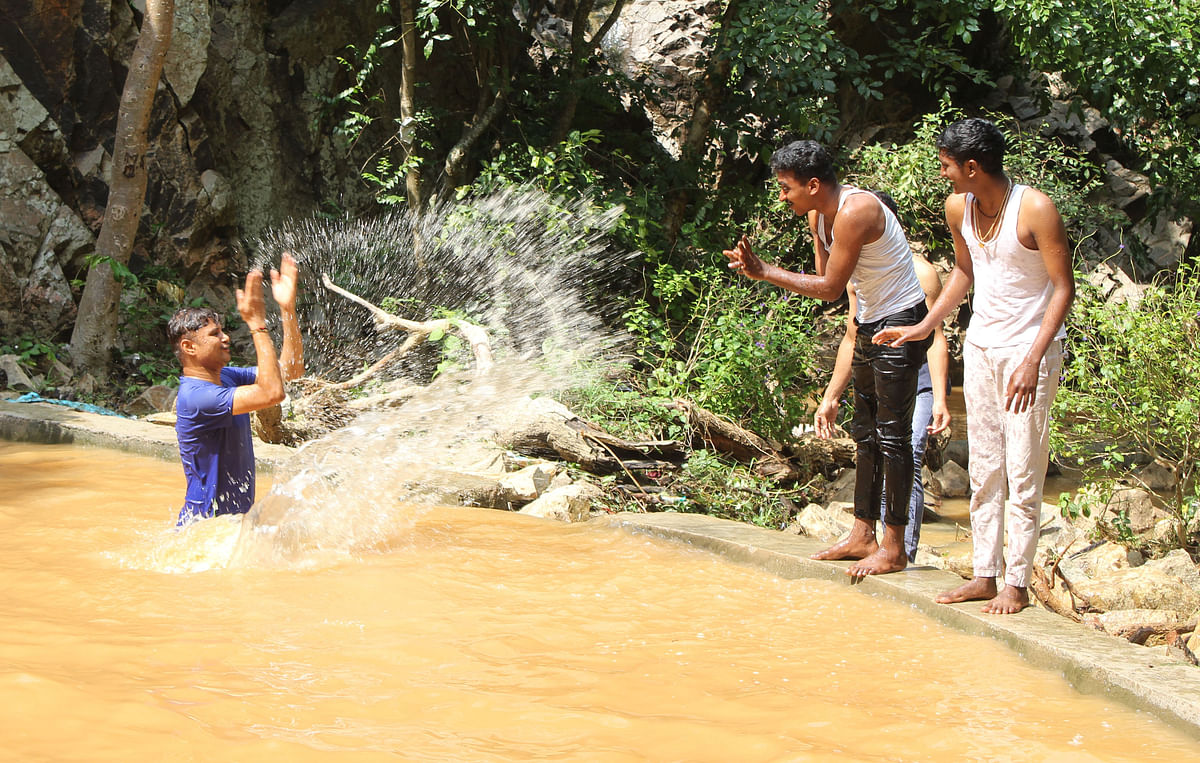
(236, 139)
(241, 140)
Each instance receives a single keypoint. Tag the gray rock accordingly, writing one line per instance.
(571, 503)
(821, 522)
(156, 399)
(842, 487)
(14, 373)
(953, 480)
(526, 484)
(1157, 476)
(957, 451)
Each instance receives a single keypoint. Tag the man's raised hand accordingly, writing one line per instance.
(283, 282)
(250, 302)
(743, 259)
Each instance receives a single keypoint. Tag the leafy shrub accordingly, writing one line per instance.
(1129, 385)
(910, 173)
(740, 349)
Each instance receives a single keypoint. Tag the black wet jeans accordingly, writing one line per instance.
(885, 389)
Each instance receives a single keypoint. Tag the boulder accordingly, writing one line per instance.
(953, 480)
(156, 399)
(15, 376)
(571, 503)
(526, 484)
(956, 451)
(1122, 622)
(1145, 587)
(825, 523)
(1138, 506)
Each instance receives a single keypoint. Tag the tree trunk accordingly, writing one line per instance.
(94, 336)
(408, 103)
(704, 107)
(581, 48)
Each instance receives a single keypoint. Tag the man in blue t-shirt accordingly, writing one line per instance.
(214, 403)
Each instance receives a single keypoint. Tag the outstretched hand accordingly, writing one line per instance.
(283, 282)
(895, 336)
(742, 258)
(250, 303)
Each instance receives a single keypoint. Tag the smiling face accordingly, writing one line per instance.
(798, 194)
(959, 175)
(207, 346)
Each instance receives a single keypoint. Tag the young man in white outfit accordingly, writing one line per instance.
(1010, 243)
(859, 241)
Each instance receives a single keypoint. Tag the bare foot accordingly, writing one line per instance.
(883, 561)
(975, 589)
(859, 544)
(1008, 602)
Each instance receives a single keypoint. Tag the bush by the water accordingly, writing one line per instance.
(1129, 391)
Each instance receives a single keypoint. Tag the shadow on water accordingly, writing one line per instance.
(537, 271)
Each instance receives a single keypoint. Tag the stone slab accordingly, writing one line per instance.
(1144, 678)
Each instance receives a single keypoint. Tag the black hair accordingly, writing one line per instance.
(189, 319)
(976, 139)
(805, 159)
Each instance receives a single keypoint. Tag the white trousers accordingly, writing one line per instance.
(1006, 451)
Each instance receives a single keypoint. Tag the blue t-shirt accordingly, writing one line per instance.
(215, 446)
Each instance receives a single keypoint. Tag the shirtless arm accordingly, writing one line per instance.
(858, 222)
(826, 415)
(954, 290)
(1040, 224)
(283, 289)
(938, 355)
(267, 389)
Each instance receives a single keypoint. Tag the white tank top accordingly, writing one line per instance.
(884, 277)
(1012, 286)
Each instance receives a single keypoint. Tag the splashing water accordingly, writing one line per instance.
(536, 271)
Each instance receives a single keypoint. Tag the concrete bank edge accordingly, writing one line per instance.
(47, 423)
(1143, 678)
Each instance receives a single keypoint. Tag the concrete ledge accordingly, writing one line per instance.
(1144, 678)
(48, 423)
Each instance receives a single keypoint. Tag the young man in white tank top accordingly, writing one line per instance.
(858, 240)
(1010, 243)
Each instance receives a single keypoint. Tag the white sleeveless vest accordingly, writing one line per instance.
(884, 278)
(1012, 286)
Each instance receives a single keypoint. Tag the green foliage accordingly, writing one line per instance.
(728, 490)
(910, 173)
(1129, 383)
(1135, 61)
(739, 349)
(558, 169)
(31, 351)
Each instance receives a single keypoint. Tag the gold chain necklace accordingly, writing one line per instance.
(986, 236)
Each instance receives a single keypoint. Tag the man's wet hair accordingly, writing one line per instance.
(805, 159)
(977, 139)
(189, 319)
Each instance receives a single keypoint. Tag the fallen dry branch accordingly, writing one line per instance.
(418, 332)
(796, 462)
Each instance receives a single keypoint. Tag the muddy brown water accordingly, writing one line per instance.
(476, 635)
